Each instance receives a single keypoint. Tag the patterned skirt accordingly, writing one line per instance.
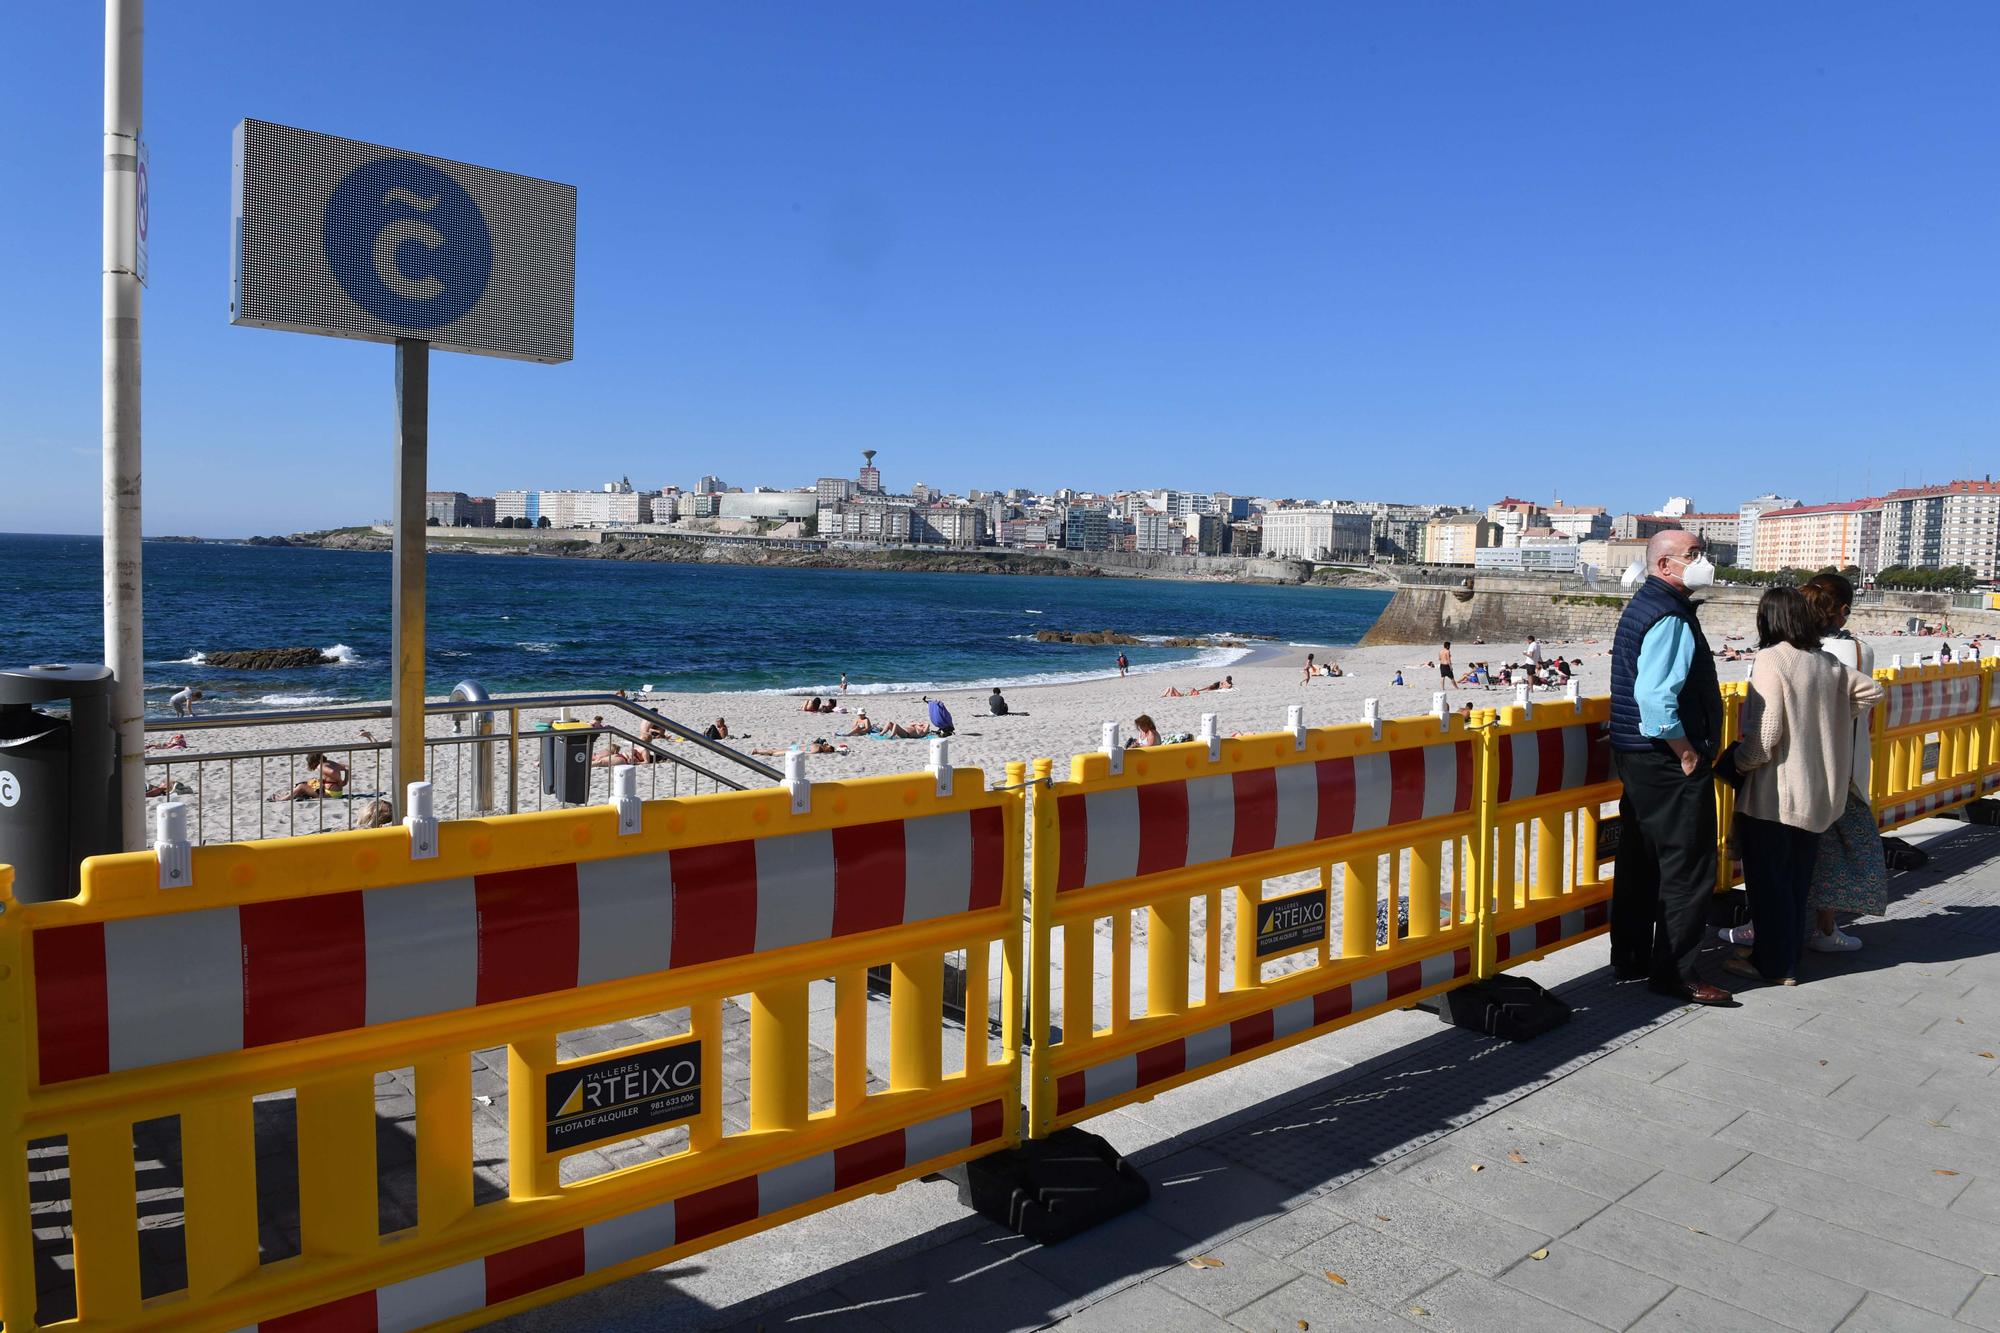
(1849, 874)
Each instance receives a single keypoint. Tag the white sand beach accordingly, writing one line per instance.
(1055, 721)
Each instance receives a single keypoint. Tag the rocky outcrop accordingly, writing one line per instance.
(266, 659)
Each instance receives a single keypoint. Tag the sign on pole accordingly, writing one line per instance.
(352, 240)
(142, 210)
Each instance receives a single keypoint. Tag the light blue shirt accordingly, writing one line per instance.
(1664, 657)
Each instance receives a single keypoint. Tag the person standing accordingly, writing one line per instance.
(1122, 662)
(1666, 727)
(1797, 761)
(843, 682)
(1444, 665)
(1849, 874)
(1534, 657)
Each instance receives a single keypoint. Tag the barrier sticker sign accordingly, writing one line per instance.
(623, 1095)
(1293, 922)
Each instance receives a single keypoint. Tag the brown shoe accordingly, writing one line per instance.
(1703, 993)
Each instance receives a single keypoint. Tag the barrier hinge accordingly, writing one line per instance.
(797, 783)
(170, 844)
(625, 799)
(422, 822)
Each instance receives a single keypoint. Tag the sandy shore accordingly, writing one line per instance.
(1055, 721)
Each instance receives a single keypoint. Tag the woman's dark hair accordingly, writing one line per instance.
(315, 759)
(1783, 616)
(1830, 597)
(1144, 722)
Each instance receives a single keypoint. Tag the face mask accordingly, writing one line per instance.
(1700, 572)
(1635, 574)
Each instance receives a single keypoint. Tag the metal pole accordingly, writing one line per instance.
(406, 686)
(124, 622)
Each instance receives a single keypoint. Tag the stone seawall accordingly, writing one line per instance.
(1507, 610)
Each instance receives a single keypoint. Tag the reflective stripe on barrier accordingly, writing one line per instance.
(151, 990)
(551, 1267)
(1932, 739)
(1553, 776)
(315, 964)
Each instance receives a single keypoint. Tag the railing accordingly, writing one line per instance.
(211, 780)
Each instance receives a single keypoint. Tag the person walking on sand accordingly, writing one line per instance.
(183, 700)
(1123, 663)
(1666, 726)
(1444, 665)
(1534, 657)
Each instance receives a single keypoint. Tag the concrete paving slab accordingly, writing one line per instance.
(1738, 1093)
(1589, 1285)
(1474, 1304)
(1297, 1228)
(1946, 1147)
(1663, 1102)
(1378, 1267)
(1982, 1310)
(1315, 1302)
(1503, 1189)
(1771, 1287)
(1566, 1161)
(823, 1312)
(1869, 1261)
(1715, 1209)
(1589, 1120)
(1147, 1307)
(1111, 1256)
(979, 1274)
(1833, 1198)
(1462, 1236)
(1688, 1311)
(1878, 1314)
(1246, 1275)
(1200, 1194)
(1894, 1097)
(1979, 1200)
(1896, 1168)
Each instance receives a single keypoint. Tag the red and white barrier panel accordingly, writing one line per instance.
(1993, 694)
(1126, 832)
(1114, 1078)
(1541, 763)
(1916, 701)
(151, 990)
(1905, 811)
(467, 1288)
(1550, 930)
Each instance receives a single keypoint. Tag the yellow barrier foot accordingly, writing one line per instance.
(1050, 1189)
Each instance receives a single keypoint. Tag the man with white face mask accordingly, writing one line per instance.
(1666, 729)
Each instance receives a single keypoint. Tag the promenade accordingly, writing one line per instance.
(1824, 1157)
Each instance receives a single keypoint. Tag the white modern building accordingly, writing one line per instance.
(1747, 515)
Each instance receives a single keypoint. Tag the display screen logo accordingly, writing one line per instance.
(407, 243)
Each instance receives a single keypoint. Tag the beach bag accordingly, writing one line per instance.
(1850, 872)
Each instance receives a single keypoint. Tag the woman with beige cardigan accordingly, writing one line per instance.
(1797, 759)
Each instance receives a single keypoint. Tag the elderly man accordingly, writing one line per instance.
(1666, 728)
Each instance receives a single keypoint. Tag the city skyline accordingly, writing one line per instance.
(1425, 253)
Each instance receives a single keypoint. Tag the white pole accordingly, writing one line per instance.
(124, 627)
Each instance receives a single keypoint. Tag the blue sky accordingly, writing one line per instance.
(1421, 251)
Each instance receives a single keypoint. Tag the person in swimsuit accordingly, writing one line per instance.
(1444, 666)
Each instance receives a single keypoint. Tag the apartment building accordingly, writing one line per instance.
(1935, 527)
(1321, 532)
(1453, 540)
(1815, 536)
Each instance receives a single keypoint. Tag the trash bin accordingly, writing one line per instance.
(58, 777)
(566, 761)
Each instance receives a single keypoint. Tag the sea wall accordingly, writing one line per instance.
(1227, 568)
(1507, 609)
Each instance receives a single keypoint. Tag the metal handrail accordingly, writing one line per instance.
(514, 704)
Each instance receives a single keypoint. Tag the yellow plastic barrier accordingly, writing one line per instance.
(1551, 774)
(1933, 740)
(315, 963)
(1204, 829)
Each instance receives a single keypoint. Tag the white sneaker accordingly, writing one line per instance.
(1838, 941)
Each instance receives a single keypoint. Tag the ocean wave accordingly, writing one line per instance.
(1207, 659)
(536, 646)
(293, 700)
(342, 654)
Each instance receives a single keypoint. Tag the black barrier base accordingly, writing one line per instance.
(1983, 812)
(1050, 1189)
(1900, 855)
(1510, 1007)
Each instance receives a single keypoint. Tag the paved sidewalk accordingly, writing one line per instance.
(1826, 1156)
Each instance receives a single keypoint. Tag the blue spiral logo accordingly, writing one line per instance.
(407, 244)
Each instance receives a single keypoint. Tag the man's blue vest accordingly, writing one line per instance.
(1700, 700)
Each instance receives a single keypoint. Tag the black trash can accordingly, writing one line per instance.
(566, 761)
(58, 777)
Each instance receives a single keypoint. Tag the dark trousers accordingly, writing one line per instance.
(1777, 873)
(1665, 867)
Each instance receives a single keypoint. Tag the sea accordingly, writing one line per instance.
(519, 624)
